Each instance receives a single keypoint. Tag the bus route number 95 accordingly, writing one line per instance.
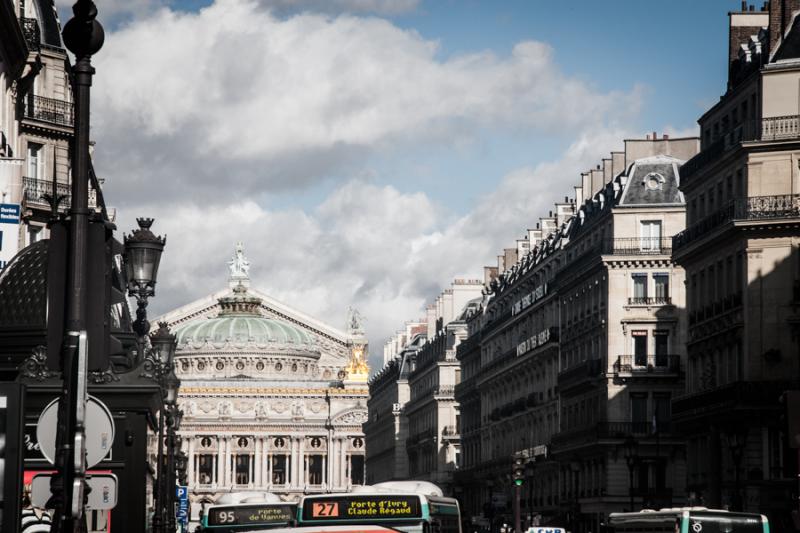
(226, 517)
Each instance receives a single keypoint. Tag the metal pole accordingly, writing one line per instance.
(630, 485)
(83, 35)
(517, 499)
(158, 503)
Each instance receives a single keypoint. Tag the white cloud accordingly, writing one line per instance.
(200, 116)
(278, 104)
(386, 252)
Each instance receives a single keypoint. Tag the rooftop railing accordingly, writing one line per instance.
(781, 128)
(754, 208)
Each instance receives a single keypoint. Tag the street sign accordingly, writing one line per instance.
(99, 431)
(102, 494)
(182, 496)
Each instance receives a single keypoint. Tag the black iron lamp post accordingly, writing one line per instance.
(174, 419)
(737, 440)
(143, 251)
(84, 37)
(631, 458)
(159, 365)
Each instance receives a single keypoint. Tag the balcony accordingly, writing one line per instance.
(782, 128)
(580, 376)
(50, 110)
(752, 209)
(34, 191)
(30, 30)
(650, 300)
(450, 433)
(647, 366)
(609, 430)
(638, 246)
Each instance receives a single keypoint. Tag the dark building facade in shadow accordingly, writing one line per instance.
(740, 254)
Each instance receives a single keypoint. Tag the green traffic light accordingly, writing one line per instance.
(518, 482)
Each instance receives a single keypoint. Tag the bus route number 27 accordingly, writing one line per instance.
(325, 510)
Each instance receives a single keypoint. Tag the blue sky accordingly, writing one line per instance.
(366, 156)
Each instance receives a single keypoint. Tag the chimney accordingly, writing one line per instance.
(744, 5)
(566, 199)
(666, 137)
(655, 136)
(752, 7)
(740, 27)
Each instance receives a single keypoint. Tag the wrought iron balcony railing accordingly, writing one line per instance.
(30, 30)
(49, 110)
(754, 208)
(35, 191)
(638, 246)
(647, 364)
(782, 128)
(650, 300)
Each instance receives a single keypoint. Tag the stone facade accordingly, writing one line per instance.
(740, 251)
(412, 431)
(578, 351)
(273, 399)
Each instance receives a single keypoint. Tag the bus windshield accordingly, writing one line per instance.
(238, 518)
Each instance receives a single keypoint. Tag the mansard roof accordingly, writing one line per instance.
(652, 181)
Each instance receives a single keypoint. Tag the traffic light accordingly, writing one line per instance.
(519, 471)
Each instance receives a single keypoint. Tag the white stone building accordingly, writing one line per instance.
(273, 399)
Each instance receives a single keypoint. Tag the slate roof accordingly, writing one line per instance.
(652, 181)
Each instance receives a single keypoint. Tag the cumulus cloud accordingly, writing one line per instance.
(386, 252)
(283, 103)
(202, 117)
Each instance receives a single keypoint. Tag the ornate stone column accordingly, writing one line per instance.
(256, 467)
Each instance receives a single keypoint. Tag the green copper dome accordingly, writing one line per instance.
(259, 330)
(240, 321)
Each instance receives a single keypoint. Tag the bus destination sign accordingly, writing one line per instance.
(238, 515)
(366, 507)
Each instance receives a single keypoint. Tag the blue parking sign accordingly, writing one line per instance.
(182, 495)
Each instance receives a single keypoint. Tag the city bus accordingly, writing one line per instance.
(407, 506)
(248, 513)
(688, 520)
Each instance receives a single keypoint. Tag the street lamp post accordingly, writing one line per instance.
(575, 467)
(143, 251)
(158, 364)
(84, 37)
(174, 417)
(737, 439)
(631, 458)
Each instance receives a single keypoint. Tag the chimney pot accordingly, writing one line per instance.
(537, 225)
(752, 7)
(566, 199)
(551, 214)
(666, 136)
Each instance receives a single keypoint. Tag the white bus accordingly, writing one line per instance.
(407, 506)
(688, 520)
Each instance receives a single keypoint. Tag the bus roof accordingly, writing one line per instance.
(232, 498)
